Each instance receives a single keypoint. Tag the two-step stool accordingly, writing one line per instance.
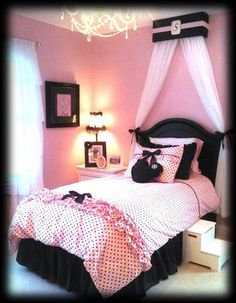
(200, 246)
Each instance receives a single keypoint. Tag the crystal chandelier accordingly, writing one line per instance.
(102, 23)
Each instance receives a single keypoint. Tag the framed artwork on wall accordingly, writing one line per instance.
(62, 104)
(93, 152)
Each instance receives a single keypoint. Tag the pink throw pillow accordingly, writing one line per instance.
(180, 141)
(169, 158)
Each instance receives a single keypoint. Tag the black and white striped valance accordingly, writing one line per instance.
(184, 26)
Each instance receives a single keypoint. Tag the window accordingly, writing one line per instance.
(25, 118)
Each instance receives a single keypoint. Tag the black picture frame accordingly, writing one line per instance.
(62, 104)
(93, 150)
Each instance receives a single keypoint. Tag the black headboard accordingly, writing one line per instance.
(184, 128)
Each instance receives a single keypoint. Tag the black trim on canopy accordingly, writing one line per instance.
(187, 27)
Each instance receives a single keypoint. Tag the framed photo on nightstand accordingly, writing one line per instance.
(115, 161)
(101, 162)
(93, 151)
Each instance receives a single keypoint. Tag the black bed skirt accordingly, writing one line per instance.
(60, 267)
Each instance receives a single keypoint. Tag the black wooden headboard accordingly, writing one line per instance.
(184, 128)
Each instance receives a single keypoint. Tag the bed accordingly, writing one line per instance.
(156, 257)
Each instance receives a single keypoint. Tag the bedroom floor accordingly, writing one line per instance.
(191, 280)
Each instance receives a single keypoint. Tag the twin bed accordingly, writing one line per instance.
(128, 236)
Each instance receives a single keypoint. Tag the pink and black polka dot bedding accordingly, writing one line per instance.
(116, 231)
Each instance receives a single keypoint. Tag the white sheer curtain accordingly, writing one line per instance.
(200, 68)
(158, 67)
(25, 118)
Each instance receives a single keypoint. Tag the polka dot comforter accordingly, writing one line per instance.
(116, 231)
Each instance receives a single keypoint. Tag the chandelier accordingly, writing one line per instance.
(102, 23)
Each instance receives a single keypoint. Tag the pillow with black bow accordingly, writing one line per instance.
(169, 158)
(144, 171)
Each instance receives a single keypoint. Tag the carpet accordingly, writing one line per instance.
(191, 280)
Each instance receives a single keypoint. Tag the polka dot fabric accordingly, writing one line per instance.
(169, 158)
(101, 234)
(179, 141)
(115, 239)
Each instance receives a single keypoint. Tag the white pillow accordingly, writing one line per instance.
(180, 141)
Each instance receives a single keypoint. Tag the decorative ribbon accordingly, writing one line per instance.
(229, 133)
(141, 138)
(136, 133)
(189, 25)
(148, 154)
(79, 197)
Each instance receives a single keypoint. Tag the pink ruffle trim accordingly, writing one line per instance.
(111, 214)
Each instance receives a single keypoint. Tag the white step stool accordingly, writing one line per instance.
(201, 247)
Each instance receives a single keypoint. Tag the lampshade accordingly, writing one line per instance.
(96, 123)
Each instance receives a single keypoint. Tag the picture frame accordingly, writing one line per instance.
(101, 162)
(62, 104)
(114, 161)
(94, 150)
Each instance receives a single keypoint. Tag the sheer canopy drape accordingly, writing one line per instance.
(200, 68)
(158, 67)
(25, 118)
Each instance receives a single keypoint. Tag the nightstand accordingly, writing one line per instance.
(87, 173)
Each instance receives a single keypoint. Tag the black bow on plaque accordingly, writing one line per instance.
(79, 197)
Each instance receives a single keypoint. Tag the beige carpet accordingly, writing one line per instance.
(193, 280)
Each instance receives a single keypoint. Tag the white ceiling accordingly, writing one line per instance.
(52, 15)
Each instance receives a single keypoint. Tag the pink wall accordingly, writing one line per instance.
(63, 57)
(111, 73)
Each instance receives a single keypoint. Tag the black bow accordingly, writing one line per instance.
(146, 154)
(79, 197)
(141, 138)
(229, 134)
(136, 133)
